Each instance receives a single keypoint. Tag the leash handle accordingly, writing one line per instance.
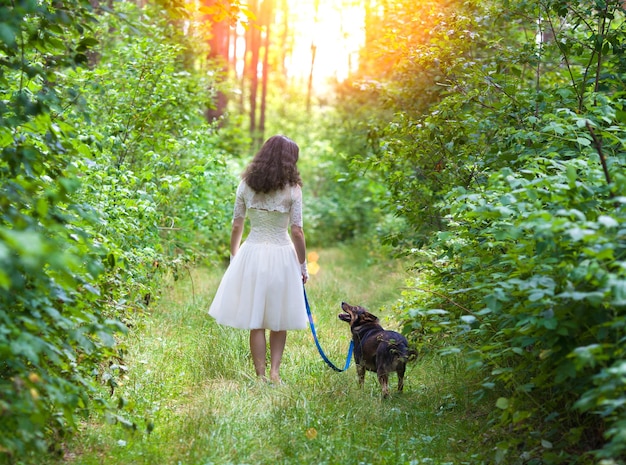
(317, 342)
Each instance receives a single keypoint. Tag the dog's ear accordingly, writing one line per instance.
(364, 317)
(370, 317)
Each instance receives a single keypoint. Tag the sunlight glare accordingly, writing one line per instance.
(337, 32)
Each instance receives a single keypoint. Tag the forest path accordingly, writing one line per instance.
(192, 381)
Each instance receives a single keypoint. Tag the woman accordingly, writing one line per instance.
(262, 288)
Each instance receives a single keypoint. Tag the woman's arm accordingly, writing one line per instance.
(297, 236)
(235, 235)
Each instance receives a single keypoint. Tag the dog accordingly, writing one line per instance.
(376, 349)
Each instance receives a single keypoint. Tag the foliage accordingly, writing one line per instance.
(109, 175)
(382, 107)
(544, 320)
(156, 171)
(52, 328)
(341, 207)
(526, 272)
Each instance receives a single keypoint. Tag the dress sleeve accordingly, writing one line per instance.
(295, 212)
(240, 204)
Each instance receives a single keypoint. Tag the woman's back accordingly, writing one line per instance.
(270, 214)
(269, 227)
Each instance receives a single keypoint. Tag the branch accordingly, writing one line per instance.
(565, 58)
(443, 296)
(601, 30)
(597, 143)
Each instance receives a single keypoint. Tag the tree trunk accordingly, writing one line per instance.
(267, 19)
(284, 46)
(246, 68)
(218, 51)
(255, 45)
(309, 91)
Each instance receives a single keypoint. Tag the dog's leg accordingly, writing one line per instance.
(383, 379)
(360, 371)
(400, 370)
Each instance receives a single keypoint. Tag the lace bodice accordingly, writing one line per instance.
(270, 214)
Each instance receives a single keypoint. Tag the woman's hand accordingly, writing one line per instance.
(304, 271)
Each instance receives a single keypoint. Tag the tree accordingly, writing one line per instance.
(220, 14)
(253, 47)
(267, 11)
(309, 92)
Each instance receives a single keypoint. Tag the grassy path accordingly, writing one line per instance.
(193, 380)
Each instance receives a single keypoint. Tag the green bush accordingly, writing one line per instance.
(53, 331)
(109, 174)
(516, 174)
(532, 271)
(548, 326)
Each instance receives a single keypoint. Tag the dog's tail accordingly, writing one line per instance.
(406, 353)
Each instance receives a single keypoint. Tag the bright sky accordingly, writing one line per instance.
(338, 33)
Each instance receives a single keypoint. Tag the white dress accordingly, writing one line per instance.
(262, 287)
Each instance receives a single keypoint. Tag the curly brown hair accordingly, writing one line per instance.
(274, 166)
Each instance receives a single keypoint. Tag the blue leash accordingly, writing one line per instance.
(317, 342)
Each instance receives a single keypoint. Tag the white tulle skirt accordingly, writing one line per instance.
(261, 289)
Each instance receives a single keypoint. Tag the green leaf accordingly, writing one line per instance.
(7, 34)
(550, 323)
(502, 403)
(607, 221)
(581, 122)
(572, 174)
(28, 346)
(586, 356)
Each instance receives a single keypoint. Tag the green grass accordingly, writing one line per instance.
(193, 380)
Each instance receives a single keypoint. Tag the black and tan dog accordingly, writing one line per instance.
(376, 349)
